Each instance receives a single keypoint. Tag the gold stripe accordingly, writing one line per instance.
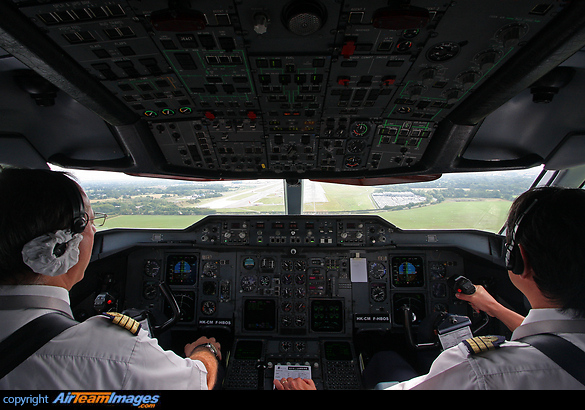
(483, 346)
(474, 345)
(135, 326)
(124, 321)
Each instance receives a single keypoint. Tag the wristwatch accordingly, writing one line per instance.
(211, 347)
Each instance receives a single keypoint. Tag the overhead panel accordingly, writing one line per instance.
(291, 89)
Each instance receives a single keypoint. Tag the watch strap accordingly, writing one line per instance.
(211, 348)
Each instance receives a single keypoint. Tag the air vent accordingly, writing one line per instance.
(304, 17)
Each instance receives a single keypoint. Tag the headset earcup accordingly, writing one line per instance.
(79, 224)
(80, 217)
(516, 261)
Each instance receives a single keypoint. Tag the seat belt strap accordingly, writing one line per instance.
(25, 341)
(564, 353)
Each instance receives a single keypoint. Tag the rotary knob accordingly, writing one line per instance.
(486, 59)
(428, 76)
(260, 23)
(511, 34)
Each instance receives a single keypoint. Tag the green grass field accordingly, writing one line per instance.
(488, 215)
(342, 197)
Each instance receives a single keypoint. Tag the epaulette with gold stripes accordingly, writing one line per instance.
(123, 321)
(481, 344)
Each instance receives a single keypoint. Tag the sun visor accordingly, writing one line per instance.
(568, 154)
(16, 151)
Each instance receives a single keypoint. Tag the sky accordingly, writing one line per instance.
(90, 176)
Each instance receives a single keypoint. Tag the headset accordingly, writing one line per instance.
(514, 261)
(80, 217)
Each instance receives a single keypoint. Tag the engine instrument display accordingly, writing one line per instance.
(260, 315)
(327, 316)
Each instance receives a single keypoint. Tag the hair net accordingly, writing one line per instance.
(52, 254)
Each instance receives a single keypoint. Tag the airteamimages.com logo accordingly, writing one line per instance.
(144, 401)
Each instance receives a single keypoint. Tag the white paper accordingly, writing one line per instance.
(455, 337)
(294, 371)
(358, 269)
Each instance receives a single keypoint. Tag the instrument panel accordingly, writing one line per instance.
(292, 289)
(275, 292)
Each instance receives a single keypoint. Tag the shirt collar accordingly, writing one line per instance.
(549, 321)
(36, 290)
(537, 315)
(35, 297)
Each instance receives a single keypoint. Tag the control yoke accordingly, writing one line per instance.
(450, 328)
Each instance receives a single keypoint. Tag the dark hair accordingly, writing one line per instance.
(552, 234)
(32, 203)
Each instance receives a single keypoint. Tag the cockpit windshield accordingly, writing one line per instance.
(454, 201)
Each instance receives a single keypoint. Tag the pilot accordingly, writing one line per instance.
(545, 260)
(47, 227)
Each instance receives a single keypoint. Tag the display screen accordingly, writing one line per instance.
(181, 269)
(260, 315)
(337, 351)
(327, 316)
(407, 271)
(248, 350)
(186, 302)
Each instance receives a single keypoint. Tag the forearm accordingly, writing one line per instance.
(210, 362)
(482, 300)
(508, 317)
(206, 355)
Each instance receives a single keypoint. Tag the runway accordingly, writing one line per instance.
(247, 197)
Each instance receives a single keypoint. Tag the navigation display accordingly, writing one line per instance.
(407, 271)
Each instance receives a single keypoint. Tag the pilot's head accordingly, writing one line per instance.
(549, 225)
(44, 221)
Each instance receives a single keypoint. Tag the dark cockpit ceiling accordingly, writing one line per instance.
(246, 89)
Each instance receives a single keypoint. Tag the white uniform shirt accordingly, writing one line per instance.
(515, 365)
(94, 355)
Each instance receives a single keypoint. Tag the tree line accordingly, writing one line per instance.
(132, 199)
(464, 186)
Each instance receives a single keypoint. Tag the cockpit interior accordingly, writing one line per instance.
(352, 92)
